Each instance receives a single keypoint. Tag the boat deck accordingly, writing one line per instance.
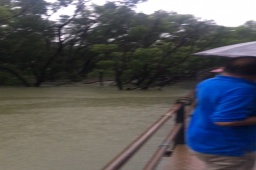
(182, 159)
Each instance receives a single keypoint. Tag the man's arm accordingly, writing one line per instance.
(245, 122)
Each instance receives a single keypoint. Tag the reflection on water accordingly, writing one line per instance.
(74, 128)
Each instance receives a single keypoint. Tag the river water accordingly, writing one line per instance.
(76, 128)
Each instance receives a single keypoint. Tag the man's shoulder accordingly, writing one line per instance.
(226, 80)
(209, 81)
(228, 87)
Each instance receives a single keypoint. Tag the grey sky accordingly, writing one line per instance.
(223, 12)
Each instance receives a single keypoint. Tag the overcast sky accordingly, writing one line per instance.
(223, 12)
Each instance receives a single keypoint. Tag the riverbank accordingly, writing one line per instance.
(187, 84)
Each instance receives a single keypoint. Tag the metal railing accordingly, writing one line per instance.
(176, 136)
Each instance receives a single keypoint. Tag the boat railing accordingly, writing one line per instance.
(176, 136)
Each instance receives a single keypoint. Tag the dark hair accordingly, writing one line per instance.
(245, 66)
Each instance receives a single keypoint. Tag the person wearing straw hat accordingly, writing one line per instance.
(222, 129)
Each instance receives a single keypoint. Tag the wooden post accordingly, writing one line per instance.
(180, 118)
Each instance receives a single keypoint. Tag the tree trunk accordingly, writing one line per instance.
(118, 78)
(101, 78)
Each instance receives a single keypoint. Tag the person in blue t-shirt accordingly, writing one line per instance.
(222, 129)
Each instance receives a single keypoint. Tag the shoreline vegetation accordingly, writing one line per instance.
(136, 50)
(186, 84)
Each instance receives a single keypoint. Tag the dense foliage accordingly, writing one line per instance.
(112, 41)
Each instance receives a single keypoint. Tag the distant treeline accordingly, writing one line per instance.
(135, 50)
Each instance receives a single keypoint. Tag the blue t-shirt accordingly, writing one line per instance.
(223, 99)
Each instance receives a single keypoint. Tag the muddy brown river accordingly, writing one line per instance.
(77, 128)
